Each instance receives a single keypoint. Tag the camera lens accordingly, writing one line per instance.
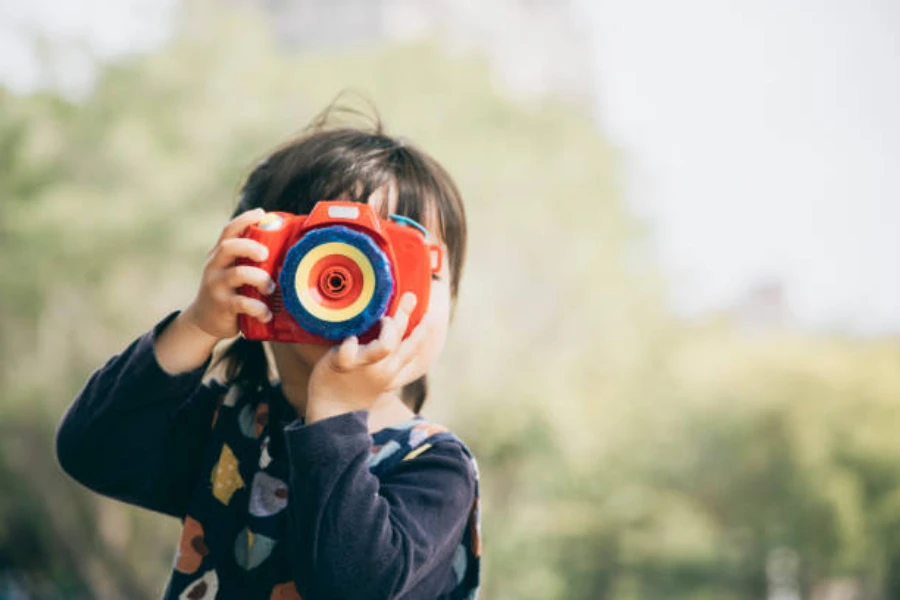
(336, 282)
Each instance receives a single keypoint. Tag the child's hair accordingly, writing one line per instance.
(327, 161)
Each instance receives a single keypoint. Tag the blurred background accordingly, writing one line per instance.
(677, 347)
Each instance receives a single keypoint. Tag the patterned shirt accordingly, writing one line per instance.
(273, 508)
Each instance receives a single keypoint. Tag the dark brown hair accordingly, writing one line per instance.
(331, 160)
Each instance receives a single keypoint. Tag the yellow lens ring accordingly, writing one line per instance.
(306, 295)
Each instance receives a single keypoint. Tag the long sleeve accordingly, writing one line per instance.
(136, 433)
(362, 537)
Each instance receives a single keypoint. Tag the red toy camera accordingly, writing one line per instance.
(337, 271)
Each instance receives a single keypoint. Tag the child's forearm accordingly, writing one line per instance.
(368, 537)
(136, 433)
(183, 346)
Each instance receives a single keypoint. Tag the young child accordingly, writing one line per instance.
(326, 483)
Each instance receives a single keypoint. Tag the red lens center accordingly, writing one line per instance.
(335, 282)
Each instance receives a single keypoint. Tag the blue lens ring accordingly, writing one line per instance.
(369, 316)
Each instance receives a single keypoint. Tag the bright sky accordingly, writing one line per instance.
(763, 141)
(101, 28)
(761, 137)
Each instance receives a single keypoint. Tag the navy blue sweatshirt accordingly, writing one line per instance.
(273, 508)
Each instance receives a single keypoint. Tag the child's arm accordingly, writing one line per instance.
(182, 346)
(364, 538)
(135, 432)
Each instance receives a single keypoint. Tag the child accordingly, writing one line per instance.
(327, 483)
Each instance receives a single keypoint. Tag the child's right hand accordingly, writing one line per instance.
(218, 303)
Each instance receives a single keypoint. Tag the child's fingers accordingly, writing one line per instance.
(402, 363)
(251, 306)
(240, 275)
(228, 250)
(401, 317)
(373, 352)
(345, 354)
(391, 334)
(238, 224)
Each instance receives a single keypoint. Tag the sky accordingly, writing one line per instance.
(760, 138)
(762, 142)
(99, 28)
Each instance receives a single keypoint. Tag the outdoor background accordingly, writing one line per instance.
(677, 347)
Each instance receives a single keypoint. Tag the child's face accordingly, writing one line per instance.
(438, 308)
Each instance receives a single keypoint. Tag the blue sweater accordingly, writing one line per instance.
(273, 508)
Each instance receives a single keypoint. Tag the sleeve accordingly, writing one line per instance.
(360, 537)
(136, 433)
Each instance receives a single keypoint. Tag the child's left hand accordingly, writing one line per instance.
(351, 377)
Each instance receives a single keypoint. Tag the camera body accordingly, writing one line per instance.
(337, 271)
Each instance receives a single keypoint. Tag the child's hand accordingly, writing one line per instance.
(351, 377)
(216, 308)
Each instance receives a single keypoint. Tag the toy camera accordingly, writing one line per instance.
(337, 271)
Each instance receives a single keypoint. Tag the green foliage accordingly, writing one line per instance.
(624, 455)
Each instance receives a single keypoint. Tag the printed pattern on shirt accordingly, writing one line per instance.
(225, 477)
(249, 519)
(191, 548)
